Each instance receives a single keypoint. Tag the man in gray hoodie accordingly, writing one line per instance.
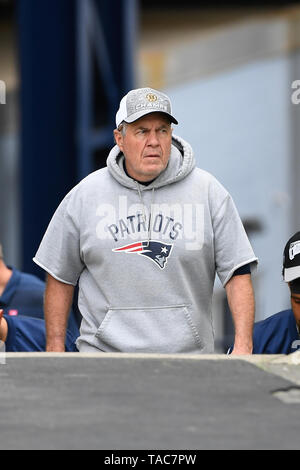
(145, 237)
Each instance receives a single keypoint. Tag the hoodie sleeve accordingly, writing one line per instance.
(59, 251)
(231, 244)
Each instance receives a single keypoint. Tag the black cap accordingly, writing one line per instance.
(291, 259)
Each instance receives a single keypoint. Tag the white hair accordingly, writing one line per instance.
(122, 128)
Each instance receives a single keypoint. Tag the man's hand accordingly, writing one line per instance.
(55, 345)
(241, 301)
(241, 351)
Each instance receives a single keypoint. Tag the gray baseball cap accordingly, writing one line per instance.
(137, 103)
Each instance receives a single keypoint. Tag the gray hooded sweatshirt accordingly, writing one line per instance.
(146, 256)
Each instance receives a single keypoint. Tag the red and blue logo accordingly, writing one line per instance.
(157, 251)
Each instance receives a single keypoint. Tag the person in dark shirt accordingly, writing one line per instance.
(279, 333)
(26, 334)
(23, 294)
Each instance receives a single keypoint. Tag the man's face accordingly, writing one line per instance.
(146, 146)
(295, 300)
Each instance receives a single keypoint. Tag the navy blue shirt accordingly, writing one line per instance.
(276, 334)
(26, 334)
(24, 295)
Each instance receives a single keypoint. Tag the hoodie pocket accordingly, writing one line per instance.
(160, 330)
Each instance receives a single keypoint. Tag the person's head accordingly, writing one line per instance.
(295, 298)
(144, 132)
(291, 272)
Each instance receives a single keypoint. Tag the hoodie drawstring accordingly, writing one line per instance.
(144, 212)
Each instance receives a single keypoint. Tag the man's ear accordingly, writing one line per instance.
(118, 139)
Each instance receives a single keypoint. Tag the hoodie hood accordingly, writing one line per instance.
(181, 164)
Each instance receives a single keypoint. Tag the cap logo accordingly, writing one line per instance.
(294, 249)
(151, 97)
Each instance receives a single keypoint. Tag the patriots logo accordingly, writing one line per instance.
(157, 251)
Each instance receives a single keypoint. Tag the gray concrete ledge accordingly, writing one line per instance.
(264, 361)
(147, 401)
(256, 358)
(285, 366)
